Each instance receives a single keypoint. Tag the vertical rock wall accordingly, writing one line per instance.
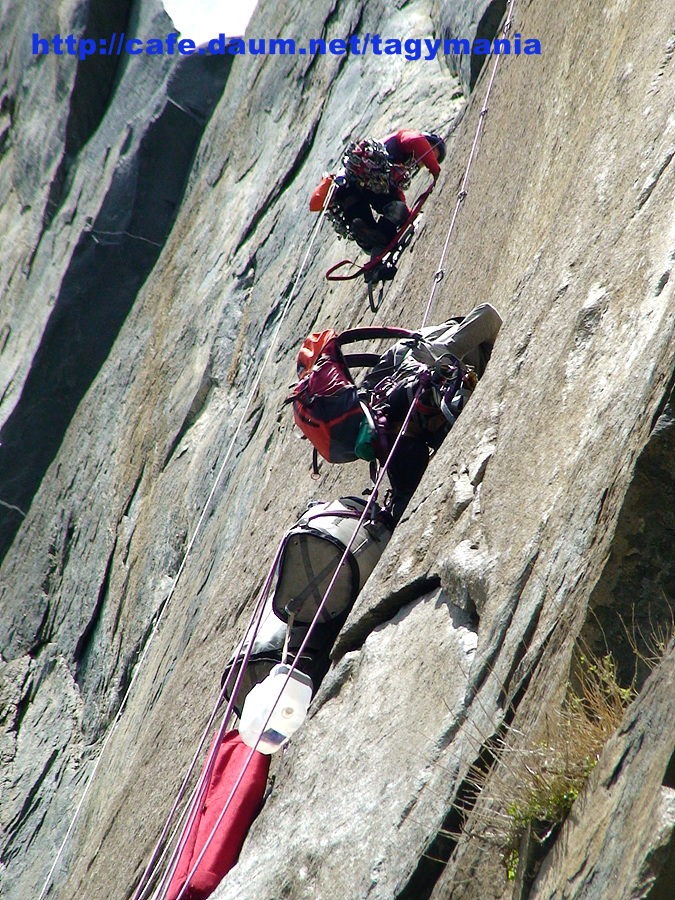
(471, 617)
(110, 186)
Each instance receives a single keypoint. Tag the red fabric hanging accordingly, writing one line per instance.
(224, 849)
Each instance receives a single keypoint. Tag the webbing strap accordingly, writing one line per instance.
(362, 359)
(372, 333)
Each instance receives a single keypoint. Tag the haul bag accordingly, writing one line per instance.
(224, 849)
(312, 551)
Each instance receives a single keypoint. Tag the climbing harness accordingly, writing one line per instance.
(336, 216)
(369, 167)
(462, 194)
(160, 613)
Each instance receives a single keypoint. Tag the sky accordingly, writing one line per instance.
(202, 20)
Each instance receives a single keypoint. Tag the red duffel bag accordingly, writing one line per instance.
(224, 848)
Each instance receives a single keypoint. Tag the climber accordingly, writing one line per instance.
(346, 422)
(373, 177)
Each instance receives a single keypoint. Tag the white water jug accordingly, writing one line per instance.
(287, 701)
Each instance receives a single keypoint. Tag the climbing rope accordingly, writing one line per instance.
(461, 196)
(438, 277)
(246, 642)
(304, 643)
(200, 522)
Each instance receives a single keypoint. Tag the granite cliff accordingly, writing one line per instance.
(156, 216)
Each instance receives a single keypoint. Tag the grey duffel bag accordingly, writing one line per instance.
(312, 551)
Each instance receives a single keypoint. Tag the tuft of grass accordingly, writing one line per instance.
(649, 648)
(535, 778)
(550, 773)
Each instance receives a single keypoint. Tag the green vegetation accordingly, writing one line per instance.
(550, 773)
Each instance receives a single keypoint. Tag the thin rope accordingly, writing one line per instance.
(461, 196)
(253, 625)
(12, 507)
(438, 276)
(159, 615)
(306, 639)
(189, 811)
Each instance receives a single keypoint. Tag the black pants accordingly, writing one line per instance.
(405, 472)
(357, 206)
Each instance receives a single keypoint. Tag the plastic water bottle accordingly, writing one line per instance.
(288, 706)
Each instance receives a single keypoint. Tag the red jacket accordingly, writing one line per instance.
(405, 147)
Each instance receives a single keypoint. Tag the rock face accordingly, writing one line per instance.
(540, 517)
(470, 21)
(103, 197)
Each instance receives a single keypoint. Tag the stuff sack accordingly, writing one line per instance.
(224, 849)
(325, 401)
(312, 550)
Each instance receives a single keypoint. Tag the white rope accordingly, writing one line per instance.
(158, 618)
(287, 639)
(461, 196)
(306, 639)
